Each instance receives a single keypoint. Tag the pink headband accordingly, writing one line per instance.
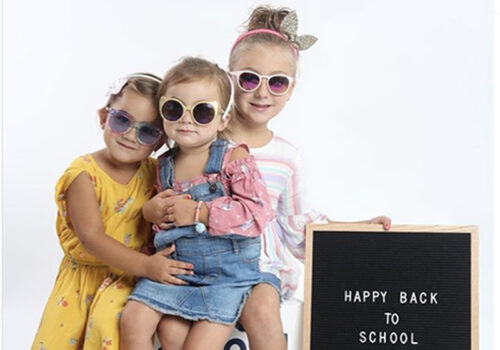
(267, 31)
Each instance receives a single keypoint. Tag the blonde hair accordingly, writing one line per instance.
(191, 69)
(264, 17)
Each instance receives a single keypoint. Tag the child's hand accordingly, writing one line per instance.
(180, 211)
(385, 221)
(155, 210)
(162, 269)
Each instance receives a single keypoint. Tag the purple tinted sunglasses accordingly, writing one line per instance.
(277, 84)
(121, 122)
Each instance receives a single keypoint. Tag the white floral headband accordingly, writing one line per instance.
(116, 87)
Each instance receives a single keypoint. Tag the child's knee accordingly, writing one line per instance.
(172, 332)
(170, 341)
(264, 314)
(138, 320)
(131, 321)
(128, 321)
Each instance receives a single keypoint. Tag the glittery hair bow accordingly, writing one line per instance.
(289, 27)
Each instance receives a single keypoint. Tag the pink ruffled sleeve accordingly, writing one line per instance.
(247, 211)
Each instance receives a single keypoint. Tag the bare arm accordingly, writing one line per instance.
(83, 210)
(385, 221)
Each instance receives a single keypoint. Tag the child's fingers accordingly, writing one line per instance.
(166, 193)
(387, 223)
(172, 200)
(174, 280)
(179, 271)
(166, 225)
(181, 265)
(167, 251)
(164, 216)
(383, 220)
(175, 264)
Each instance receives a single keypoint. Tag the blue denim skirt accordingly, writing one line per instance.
(274, 282)
(225, 270)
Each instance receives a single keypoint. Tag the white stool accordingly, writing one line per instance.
(291, 316)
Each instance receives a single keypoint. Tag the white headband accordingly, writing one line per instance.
(117, 86)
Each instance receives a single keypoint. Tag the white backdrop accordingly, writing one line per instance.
(393, 113)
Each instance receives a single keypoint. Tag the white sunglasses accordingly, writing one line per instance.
(277, 84)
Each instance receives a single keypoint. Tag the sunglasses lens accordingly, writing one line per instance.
(279, 84)
(172, 110)
(119, 122)
(249, 81)
(148, 135)
(204, 113)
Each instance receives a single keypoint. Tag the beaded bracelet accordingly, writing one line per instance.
(198, 226)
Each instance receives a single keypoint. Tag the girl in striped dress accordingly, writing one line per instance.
(263, 64)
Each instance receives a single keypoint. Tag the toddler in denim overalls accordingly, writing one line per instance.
(225, 267)
(228, 195)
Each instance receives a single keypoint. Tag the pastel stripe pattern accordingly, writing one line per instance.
(284, 237)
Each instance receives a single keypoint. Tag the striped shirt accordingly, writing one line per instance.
(284, 237)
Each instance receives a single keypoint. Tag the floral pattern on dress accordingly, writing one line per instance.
(88, 332)
(105, 283)
(93, 179)
(89, 295)
(88, 299)
(62, 302)
(122, 204)
(126, 239)
(106, 342)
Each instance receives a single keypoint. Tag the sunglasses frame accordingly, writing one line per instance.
(214, 104)
(133, 124)
(238, 73)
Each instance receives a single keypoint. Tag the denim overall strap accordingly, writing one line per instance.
(166, 168)
(217, 152)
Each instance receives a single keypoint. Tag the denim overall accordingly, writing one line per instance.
(225, 267)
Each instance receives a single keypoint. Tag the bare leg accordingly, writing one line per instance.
(137, 326)
(206, 335)
(172, 332)
(262, 320)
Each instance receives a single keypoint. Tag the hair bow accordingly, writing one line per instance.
(116, 86)
(289, 27)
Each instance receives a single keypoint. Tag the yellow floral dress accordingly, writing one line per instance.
(85, 305)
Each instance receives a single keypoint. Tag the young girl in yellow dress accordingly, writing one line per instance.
(100, 225)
